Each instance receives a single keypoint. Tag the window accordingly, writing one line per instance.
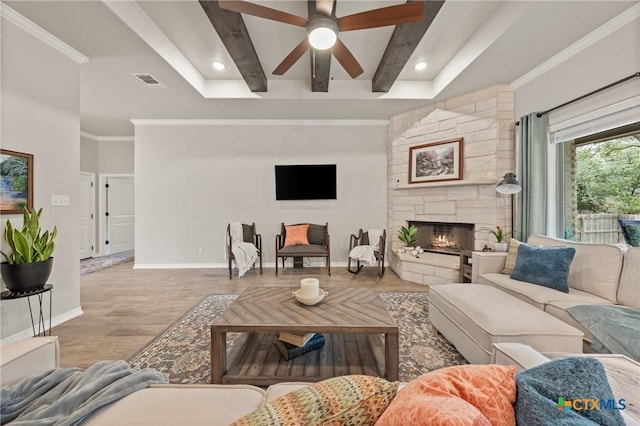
(600, 176)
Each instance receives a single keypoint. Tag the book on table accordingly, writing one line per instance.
(290, 351)
(298, 339)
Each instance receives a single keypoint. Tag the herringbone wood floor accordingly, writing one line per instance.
(124, 309)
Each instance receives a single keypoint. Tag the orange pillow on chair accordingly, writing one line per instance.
(296, 235)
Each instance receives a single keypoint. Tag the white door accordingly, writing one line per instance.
(120, 214)
(87, 216)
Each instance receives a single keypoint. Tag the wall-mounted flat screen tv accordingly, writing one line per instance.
(306, 182)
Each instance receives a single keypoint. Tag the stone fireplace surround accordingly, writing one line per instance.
(485, 120)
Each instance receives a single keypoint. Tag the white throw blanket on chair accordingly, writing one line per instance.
(366, 253)
(245, 254)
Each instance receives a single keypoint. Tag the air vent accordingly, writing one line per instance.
(149, 80)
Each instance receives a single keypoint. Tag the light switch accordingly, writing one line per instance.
(59, 200)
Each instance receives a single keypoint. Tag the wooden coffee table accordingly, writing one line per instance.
(361, 337)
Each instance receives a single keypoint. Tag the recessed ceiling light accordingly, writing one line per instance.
(420, 66)
(218, 65)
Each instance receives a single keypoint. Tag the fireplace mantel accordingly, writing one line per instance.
(446, 183)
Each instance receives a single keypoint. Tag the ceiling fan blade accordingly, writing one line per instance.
(325, 7)
(346, 59)
(392, 15)
(292, 57)
(262, 12)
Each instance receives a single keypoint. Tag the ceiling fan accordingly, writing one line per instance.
(323, 27)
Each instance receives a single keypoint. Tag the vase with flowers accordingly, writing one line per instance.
(500, 236)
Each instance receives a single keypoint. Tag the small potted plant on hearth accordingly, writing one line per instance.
(501, 236)
(408, 235)
(28, 265)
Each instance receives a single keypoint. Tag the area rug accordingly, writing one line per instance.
(182, 351)
(94, 264)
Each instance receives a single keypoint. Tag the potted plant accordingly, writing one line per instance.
(408, 235)
(29, 264)
(500, 235)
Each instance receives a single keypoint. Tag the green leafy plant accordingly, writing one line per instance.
(498, 233)
(408, 235)
(29, 244)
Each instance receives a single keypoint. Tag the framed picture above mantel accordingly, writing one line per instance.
(436, 161)
(16, 181)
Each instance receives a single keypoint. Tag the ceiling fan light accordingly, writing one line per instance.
(322, 38)
(322, 33)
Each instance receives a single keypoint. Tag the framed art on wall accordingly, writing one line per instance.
(436, 161)
(16, 181)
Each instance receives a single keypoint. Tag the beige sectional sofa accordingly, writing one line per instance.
(222, 404)
(156, 405)
(600, 274)
(497, 308)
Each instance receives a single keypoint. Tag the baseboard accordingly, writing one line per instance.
(57, 320)
(179, 265)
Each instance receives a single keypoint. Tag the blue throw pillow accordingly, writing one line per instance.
(632, 234)
(546, 266)
(564, 391)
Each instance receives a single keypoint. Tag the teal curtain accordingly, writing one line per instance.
(531, 216)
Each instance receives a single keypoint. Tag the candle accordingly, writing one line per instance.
(309, 287)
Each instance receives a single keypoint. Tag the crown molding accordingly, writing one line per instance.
(255, 122)
(38, 32)
(626, 17)
(107, 138)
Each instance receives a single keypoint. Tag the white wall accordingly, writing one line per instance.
(89, 155)
(610, 59)
(40, 116)
(116, 156)
(191, 180)
(106, 156)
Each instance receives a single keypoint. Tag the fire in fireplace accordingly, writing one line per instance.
(442, 237)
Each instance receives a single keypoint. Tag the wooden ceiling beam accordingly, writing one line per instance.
(320, 61)
(403, 42)
(233, 33)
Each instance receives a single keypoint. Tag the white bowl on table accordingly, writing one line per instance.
(310, 300)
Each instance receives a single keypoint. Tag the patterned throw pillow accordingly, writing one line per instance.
(475, 394)
(296, 234)
(512, 254)
(353, 400)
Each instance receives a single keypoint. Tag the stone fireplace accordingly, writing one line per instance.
(484, 119)
(444, 237)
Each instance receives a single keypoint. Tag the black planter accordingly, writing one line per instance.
(26, 276)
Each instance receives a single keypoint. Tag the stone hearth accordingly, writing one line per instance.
(428, 268)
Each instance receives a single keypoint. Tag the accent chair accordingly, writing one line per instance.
(249, 235)
(362, 239)
(303, 240)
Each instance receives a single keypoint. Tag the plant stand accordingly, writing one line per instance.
(39, 292)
